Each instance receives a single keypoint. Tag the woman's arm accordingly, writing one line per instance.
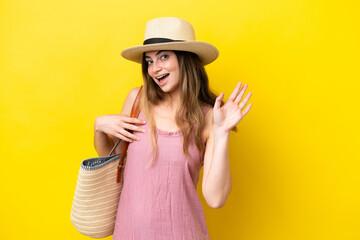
(217, 183)
(109, 128)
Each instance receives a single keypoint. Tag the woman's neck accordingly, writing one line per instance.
(172, 101)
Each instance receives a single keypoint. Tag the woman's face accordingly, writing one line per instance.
(163, 68)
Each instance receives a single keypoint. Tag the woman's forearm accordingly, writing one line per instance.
(102, 142)
(218, 181)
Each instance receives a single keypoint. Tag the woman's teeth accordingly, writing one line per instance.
(162, 76)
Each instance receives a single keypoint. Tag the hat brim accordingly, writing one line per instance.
(206, 52)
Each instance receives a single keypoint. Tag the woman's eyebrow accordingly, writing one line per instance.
(159, 52)
(156, 53)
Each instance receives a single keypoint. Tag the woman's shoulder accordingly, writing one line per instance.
(133, 92)
(129, 100)
(206, 108)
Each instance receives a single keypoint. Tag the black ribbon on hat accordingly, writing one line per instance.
(160, 40)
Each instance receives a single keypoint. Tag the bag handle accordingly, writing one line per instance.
(135, 110)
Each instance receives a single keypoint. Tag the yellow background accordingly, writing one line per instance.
(294, 161)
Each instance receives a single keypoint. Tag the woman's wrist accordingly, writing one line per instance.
(220, 134)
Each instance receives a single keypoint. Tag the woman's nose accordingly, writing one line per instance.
(156, 66)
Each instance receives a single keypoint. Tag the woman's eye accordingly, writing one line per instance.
(149, 62)
(165, 56)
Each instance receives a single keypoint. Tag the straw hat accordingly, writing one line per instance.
(170, 33)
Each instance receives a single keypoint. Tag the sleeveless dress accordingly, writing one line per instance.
(160, 202)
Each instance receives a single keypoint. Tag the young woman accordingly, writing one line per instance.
(182, 126)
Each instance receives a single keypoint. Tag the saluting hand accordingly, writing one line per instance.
(226, 117)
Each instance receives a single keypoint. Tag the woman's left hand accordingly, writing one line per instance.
(226, 117)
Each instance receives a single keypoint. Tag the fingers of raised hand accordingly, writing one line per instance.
(246, 99)
(247, 109)
(218, 101)
(241, 94)
(235, 92)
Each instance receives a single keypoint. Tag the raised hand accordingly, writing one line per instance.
(226, 117)
(119, 126)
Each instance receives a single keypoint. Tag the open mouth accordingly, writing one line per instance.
(162, 78)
